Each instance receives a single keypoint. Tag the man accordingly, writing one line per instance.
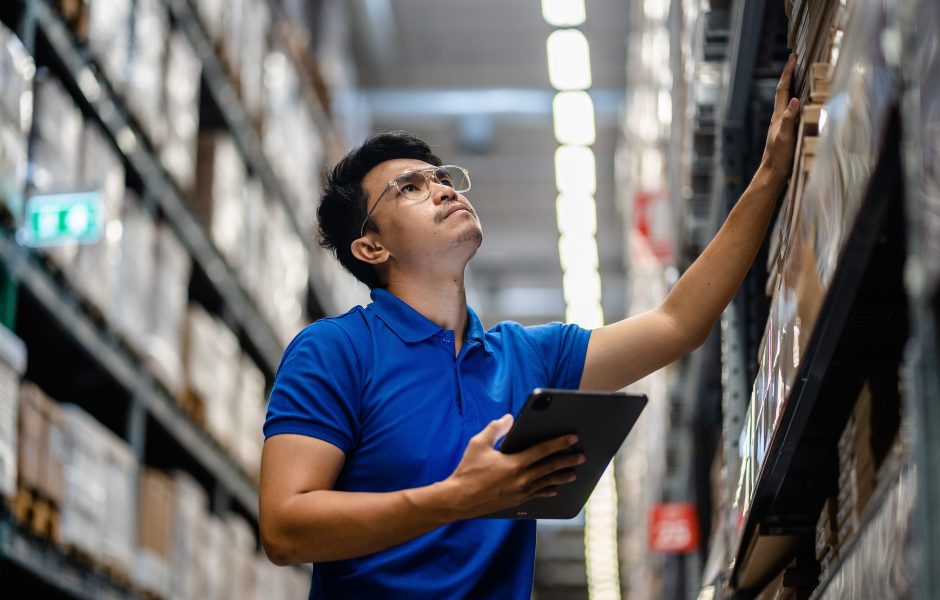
(380, 434)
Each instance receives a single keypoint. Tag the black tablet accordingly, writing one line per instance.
(601, 420)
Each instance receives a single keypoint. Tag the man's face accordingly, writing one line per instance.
(444, 224)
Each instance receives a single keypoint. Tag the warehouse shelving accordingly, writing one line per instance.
(48, 564)
(862, 324)
(25, 268)
(862, 328)
(236, 118)
(77, 351)
(238, 309)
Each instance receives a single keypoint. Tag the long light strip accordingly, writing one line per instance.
(569, 71)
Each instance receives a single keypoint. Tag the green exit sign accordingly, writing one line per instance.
(58, 218)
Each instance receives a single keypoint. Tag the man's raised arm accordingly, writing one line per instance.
(623, 352)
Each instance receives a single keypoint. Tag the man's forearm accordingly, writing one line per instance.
(327, 525)
(705, 289)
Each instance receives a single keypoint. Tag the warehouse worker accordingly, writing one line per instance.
(381, 426)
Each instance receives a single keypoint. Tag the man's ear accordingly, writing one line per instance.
(369, 250)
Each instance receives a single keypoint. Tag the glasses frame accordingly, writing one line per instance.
(393, 183)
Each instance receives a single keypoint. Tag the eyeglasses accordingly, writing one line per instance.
(416, 185)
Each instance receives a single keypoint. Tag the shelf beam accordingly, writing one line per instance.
(98, 95)
(130, 375)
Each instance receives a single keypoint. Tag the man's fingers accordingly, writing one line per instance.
(540, 451)
(495, 430)
(793, 109)
(783, 87)
(554, 463)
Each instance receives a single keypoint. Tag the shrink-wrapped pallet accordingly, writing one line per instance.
(250, 418)
(181, 107)
(12, 366)
(167, 312)
(135, 276)
(188, 555)
(17, 70)
(109, 38)
(147, 64)
(155, 530)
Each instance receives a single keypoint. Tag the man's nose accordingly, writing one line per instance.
(442, 193)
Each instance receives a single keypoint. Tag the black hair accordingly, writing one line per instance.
(343, 206)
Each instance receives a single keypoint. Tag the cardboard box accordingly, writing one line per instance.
(134, 287)
(54, 445)
(146, 70)
(167, 311)
(155, 529)
(31, 436)
(16, 111)
(93, 271)
(188, 556)
(109, 38)
(181, 107)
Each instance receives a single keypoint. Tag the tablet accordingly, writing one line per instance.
(601, 420)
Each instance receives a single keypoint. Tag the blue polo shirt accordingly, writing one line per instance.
(383, 385)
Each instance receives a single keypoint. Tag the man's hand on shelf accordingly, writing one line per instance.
(781, 136)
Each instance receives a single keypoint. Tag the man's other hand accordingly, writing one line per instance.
(486, 480)
(781, 136)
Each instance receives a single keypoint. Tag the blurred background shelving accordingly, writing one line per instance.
(160, 162)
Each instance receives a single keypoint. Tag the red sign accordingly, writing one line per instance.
(652, 220)
(674, 528)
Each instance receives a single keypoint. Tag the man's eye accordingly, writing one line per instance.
(447, 181)
(409, 187)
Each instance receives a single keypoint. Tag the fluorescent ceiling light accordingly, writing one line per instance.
(573, 113)
(578, 251)
(569, 60)
(575, 172)
(656, 10)
(589, 316)
(576, 214)
(581, 286)
(563, 13)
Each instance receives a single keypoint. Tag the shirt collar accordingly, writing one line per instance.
(411, 326)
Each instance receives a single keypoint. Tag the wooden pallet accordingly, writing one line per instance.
(36, 513)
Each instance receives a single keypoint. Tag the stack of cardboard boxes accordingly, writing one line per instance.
(16, 111)
(12, 367)
(229, 386)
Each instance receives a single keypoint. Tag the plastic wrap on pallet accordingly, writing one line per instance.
(212, 355)
(12, 366)
(109, 38)
(189, 538)
(94, 269)
(253, 244)
(254, 45)
(181, 107)
(250, 418)
(16, 113)
(119, 474)
(147, 66)
(218, 560)
(135, 272)
(286, 273)
(922, 63)
(167, 311)
(291, 138)
(220, 193)
(55, 144)
(242, 547)
(155, 522)
(83, 516)
(211, 14)
(879, 563)
(233, 20)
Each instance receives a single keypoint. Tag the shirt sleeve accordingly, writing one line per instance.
(563, 349)
(316, 390)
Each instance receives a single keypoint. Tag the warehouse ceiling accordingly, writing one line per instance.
(471, 78)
